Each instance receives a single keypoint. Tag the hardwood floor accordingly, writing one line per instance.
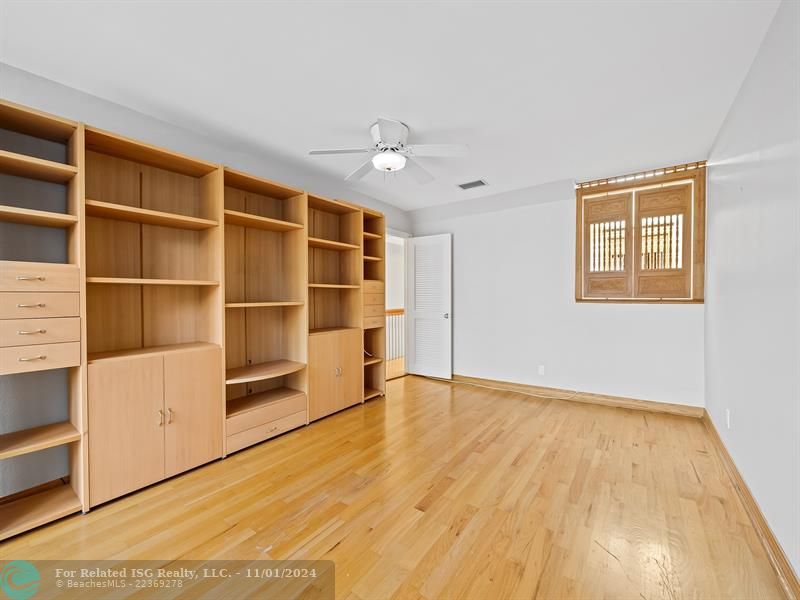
(453, 491)
(395, 367)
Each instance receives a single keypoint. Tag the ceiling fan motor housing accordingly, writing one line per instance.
(395, 136)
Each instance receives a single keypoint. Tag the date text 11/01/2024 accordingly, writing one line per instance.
(184, 573)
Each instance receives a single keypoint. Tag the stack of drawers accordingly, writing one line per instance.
(39, 316)
(374, 304)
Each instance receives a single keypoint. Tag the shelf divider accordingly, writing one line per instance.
(314, 242)
(35, 168)
(234, 217)
(42, 218)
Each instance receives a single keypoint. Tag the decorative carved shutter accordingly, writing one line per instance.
(662, 252)
(607, 246)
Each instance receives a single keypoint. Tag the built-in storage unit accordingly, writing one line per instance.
(266, 309)
(374, 304)
(154, 270)
(193, 310)
(41, 256)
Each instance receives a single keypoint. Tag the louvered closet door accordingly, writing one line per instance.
(428, 306)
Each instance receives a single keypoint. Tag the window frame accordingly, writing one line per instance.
(694, 173)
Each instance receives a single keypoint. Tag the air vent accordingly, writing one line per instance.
(472, 184)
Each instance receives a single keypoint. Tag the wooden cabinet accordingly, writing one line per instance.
(335, 372)
(193, 408)
(152, 414)
(126, 416)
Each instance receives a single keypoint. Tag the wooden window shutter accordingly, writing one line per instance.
(662, 254)
(607, 246)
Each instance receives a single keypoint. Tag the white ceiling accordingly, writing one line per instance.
(540, 91)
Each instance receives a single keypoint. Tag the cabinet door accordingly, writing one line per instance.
(193, 400)
(126, 439)
(322, 380)
(351, 365)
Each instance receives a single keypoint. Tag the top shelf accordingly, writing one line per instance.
(328, 205)
(234, 217)
(121, 212)
(36, 123)
(257, 185)
(112, 144)
(35, 168)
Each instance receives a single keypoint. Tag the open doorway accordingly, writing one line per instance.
(395, 306)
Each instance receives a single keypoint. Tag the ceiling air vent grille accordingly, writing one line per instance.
(472, 184)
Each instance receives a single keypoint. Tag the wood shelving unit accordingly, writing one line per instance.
(374, 303)
(266, 302)
(38, 150)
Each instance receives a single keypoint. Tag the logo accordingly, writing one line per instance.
(19, 580)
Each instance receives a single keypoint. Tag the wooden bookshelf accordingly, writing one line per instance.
(374, 302)
(133, 214)
(258, 372)
(46, 150)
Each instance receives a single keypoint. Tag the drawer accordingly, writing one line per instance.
(40, 277)
(29, 332)
(23, 359)
(373, 286)
(251, 436)
(374, 310)
(372, 322)
(36, 305)
(373, 299)
(266, 414)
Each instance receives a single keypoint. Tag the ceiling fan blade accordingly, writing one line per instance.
(340, 151)
(391, 131)
(438, 150)
(361, 171)
(417, 172)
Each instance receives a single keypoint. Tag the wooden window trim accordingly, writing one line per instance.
(694, 172)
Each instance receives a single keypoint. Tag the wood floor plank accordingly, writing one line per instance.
(444, 490)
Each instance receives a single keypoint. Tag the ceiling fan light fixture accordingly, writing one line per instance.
(388, 161)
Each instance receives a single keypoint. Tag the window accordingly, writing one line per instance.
(641, 237)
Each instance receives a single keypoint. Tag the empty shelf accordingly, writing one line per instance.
(35, 168)
(263, 304)
(137, 281)
(238, 406)
(149, 350)
(334, 286)
(330, 244)
(372, 360)
(234, 217)
(37, 509)
(43, 218)
(372, 258)
(320, 330)
(370, 393)
(267, 370)
(328, 205)
(26, 441)
(120, 212)
(372, 236)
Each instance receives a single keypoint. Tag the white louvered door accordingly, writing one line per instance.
(429, 319)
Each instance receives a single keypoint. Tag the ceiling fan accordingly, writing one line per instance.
(390, 152)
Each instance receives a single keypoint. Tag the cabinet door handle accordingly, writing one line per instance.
(169, 416)
(32, 332)
(32, 358)
(160, 417)
(36, 305)
(30, 278)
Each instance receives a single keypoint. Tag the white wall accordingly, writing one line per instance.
(395, 272)
(753, 278)
(31, 90)
(514, 307)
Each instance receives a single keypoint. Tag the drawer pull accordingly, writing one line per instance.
(36, 305)
(35, 331)
(32, 358)
(30, 278)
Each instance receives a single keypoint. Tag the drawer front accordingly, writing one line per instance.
(37, 305)
(266, 414)
(29, 332)
(373, 286)
(374, 310)
(38, 277)
(373, 299)
(372, 322)
(251, 436)
(24, 359)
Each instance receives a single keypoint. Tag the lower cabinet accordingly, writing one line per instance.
(152, 416)
(335, 366)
